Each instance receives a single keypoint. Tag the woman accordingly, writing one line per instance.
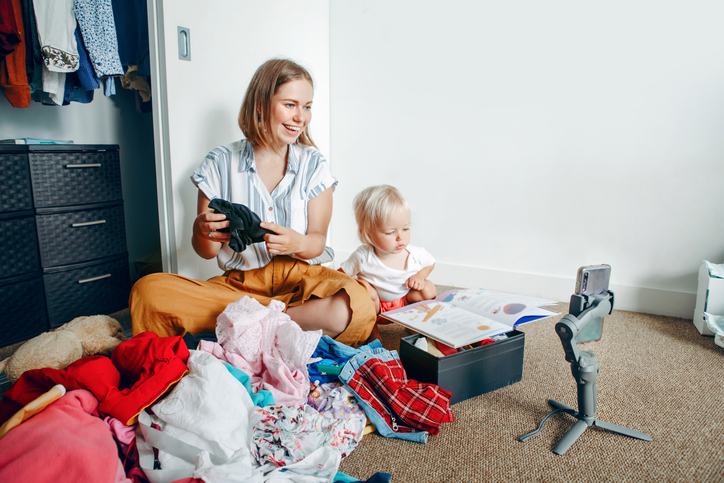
(279, 175)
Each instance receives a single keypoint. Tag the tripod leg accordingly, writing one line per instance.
(570, 437)
(621, 430)
(564, 408)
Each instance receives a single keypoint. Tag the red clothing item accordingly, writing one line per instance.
(140, 371)
(13, 78)
(10, 36)
(419, 406)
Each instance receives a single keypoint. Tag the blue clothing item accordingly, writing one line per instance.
(86, 74)
(376, 478)
(261, 398)
(74, 92)
(95, 19)
(131, 21)
(333, 352)
(348, 372)
(109, 88)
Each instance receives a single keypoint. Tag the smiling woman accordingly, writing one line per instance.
(278, 173)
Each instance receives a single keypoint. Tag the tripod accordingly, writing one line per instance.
(585, 370)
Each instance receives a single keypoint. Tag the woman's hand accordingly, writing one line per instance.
(206, 239)
(208, 224)
(284, 241)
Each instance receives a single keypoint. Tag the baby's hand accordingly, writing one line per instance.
(416, 282)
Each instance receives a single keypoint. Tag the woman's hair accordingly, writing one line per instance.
(255, 113)
(374, 205)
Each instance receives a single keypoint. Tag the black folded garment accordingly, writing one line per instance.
(243, 224)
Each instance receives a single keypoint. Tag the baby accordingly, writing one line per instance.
(394, 272)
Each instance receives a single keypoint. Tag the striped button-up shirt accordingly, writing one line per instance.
(229, 172)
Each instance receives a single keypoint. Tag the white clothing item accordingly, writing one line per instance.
(229, 173)
(208, 408)
(56, 34)
(319, 467)
(54, 85)
(389, 283)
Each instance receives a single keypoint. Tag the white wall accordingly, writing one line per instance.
(199, 107)
(105, 120)
(535, 137)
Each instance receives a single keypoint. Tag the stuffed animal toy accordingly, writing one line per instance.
(59, 348)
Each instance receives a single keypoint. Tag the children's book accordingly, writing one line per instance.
(461, 317)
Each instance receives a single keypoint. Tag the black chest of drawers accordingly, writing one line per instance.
(62, 236)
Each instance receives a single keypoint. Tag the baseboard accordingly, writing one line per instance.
(635, 299)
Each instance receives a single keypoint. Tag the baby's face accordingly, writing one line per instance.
(393, 236)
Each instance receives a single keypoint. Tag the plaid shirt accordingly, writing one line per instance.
(406, 405)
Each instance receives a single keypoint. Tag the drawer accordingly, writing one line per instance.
(18, 246)
(23, 314)
(86, 289)
(66, 178)
(15, 191)
(78, 236)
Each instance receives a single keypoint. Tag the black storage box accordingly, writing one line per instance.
(468, 373)
(90, 288)
(23, 313)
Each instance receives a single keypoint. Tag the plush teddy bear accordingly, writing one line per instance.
(59, 348)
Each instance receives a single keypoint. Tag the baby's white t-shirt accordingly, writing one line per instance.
(389, 283)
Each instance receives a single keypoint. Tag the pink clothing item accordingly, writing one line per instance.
(123, 434)
(64, 442)
(268, 346)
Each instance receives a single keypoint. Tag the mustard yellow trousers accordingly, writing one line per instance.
(170, 304)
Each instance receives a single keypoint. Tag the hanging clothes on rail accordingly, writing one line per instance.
(56, 33)
(13, 80)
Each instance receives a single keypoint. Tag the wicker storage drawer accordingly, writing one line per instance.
(64, 177)
(23, 315)
(15, 192)
(19, 253)
(78, 236)
(62, 236)
(86, 289)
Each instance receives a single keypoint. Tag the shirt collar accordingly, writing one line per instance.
(247, 161)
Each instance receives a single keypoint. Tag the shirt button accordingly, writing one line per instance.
(270, 208)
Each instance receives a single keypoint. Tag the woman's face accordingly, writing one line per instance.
(291, 111)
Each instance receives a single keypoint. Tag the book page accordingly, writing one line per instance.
(446, 323)
(501, 307)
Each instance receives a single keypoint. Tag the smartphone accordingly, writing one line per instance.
(592, 280)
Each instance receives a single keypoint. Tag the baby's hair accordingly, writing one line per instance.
(255, 113)
(374, 205)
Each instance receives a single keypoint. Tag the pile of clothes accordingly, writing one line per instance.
(264, 402)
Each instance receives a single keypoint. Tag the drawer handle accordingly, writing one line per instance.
(88, 223)
(89, 165)
(94, 278)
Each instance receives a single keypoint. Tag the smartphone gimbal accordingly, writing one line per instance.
(583, 311)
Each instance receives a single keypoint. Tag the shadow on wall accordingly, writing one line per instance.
(148, 264)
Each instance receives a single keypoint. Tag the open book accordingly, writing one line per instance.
(461, 317)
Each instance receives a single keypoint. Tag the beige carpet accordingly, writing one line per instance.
(658, 375)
